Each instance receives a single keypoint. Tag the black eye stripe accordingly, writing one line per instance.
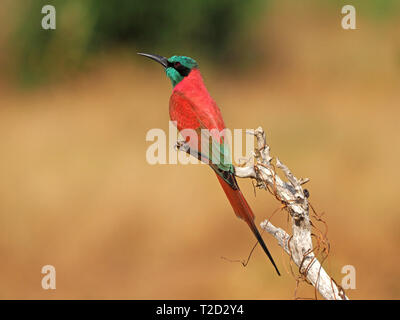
(183, 71)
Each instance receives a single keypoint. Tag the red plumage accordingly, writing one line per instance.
(192, 107)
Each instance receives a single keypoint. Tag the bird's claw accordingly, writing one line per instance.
(181, 146)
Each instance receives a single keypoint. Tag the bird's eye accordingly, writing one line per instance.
(177, 64)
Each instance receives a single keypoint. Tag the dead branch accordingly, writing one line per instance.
(290, 193)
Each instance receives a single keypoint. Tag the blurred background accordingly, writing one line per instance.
(76, 103)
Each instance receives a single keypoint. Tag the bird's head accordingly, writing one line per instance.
(176, 67)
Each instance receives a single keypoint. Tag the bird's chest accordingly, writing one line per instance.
(191, 113)
(183, 114)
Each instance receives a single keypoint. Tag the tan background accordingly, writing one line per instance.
(76, 191)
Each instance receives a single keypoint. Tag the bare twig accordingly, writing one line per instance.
(299, 246)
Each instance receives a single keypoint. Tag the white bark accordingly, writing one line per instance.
(299, 246)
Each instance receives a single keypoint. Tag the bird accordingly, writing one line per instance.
(192, 107)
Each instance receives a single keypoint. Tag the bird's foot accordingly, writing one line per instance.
(182, 145)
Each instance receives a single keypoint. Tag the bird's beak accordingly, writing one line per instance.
(160, 59)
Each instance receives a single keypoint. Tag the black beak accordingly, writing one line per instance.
(160, 59)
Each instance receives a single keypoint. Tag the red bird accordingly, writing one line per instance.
(192, 107)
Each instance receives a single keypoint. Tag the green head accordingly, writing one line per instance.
(176, 67)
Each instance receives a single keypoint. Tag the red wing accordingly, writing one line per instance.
(183, 112)
(190, 114)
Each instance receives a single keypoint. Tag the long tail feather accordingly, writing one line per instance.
(243, 211)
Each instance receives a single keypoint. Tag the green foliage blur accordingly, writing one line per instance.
(213, 29)
(219, 30)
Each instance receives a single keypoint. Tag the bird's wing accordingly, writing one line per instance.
(213, 146)
(188, 115)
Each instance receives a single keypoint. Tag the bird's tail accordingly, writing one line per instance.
(243, 211)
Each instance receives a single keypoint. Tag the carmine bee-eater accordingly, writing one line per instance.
(192, 107)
